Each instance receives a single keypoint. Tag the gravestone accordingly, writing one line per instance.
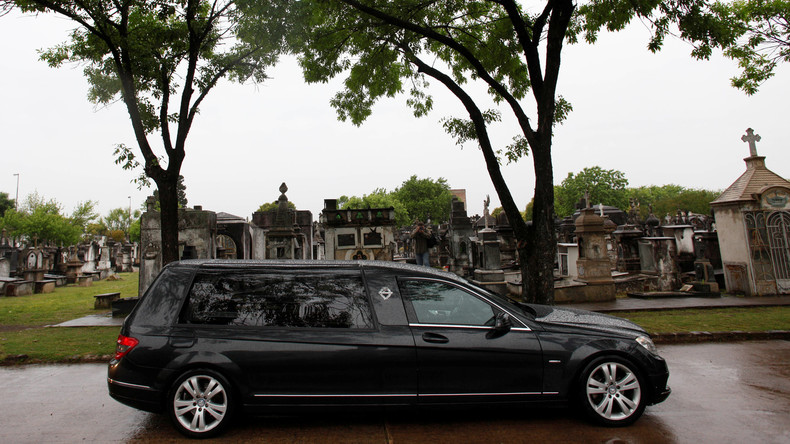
(594, 265)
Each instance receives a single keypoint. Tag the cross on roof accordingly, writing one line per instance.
(752, 140)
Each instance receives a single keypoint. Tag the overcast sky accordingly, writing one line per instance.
(659, 118)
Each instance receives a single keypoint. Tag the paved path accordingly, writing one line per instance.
(721, 393)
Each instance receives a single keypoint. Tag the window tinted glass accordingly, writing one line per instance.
(281, 299)
(441, 303)
(161, 302)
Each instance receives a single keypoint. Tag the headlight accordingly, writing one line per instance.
(647, 343)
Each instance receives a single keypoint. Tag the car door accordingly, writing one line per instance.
(461, 356)
(303, 336)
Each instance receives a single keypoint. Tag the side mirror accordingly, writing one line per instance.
(502, 325)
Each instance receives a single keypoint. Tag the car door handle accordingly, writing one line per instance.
(435, 338)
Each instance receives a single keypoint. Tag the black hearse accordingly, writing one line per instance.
(211, 337)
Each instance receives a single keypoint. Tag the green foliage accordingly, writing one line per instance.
(765, 42)
(40, 221)
(756, 33)
(425, 198)
(134, 230)
(118, 222)
(414, 199)
(604, 186)
(269, 206)
(667, 199)
(609, 187)
(6, 203)
(385, 48)
(527, 214)
(125, 157)
(383, 53)
(84, 214)
(161, 58)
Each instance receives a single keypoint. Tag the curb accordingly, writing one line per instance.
(719, 336)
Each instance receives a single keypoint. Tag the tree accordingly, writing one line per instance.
(40, 221)
(604, 186)
(84, 215)
(119, 219)
(425, 199)
(162, 58)
(382, 45)
(756, 33)
(269, 206)
(667, 199)
(6, 203)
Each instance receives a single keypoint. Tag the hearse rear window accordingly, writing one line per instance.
(278, 299)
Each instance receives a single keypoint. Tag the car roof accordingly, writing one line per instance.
(401, 267)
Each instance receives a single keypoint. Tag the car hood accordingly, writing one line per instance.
(549, 315)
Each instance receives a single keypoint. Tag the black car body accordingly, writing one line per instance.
(209, 337)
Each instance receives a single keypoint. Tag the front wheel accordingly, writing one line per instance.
(611, 392)
(200, 404)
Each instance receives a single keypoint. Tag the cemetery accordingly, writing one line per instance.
(602, 251)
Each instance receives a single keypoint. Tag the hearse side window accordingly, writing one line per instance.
(160, 303)
(278, 300)
(441, 303)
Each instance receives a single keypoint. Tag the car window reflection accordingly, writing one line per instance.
(441, 303)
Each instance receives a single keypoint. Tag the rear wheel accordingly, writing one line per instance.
(611, 392)
(201, 404)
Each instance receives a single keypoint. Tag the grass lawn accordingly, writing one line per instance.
(24, 321)
(712, 320)
(25, 337)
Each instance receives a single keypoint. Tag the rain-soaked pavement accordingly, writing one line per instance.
(722, 393)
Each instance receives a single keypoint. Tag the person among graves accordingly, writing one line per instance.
(421, 235)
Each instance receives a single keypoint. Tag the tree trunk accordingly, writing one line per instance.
(541, 246)
(168, 205)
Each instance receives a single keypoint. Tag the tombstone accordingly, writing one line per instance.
(459, 232)
(594, 265)
(488, 272)
(507, 241)
(683, 233)
(5, 267)
(659, 258)
(31, 268)
(73, 267)
(104, 264)
(704, 275)
(626, 239)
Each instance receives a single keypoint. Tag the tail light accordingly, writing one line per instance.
(125, 344)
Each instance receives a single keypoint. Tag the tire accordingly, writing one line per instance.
(201, 404)
(611, 392)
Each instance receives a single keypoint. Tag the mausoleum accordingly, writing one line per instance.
(753, 222)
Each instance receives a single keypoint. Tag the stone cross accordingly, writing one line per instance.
(752, 140)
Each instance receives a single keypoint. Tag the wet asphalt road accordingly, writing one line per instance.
(722, 393)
